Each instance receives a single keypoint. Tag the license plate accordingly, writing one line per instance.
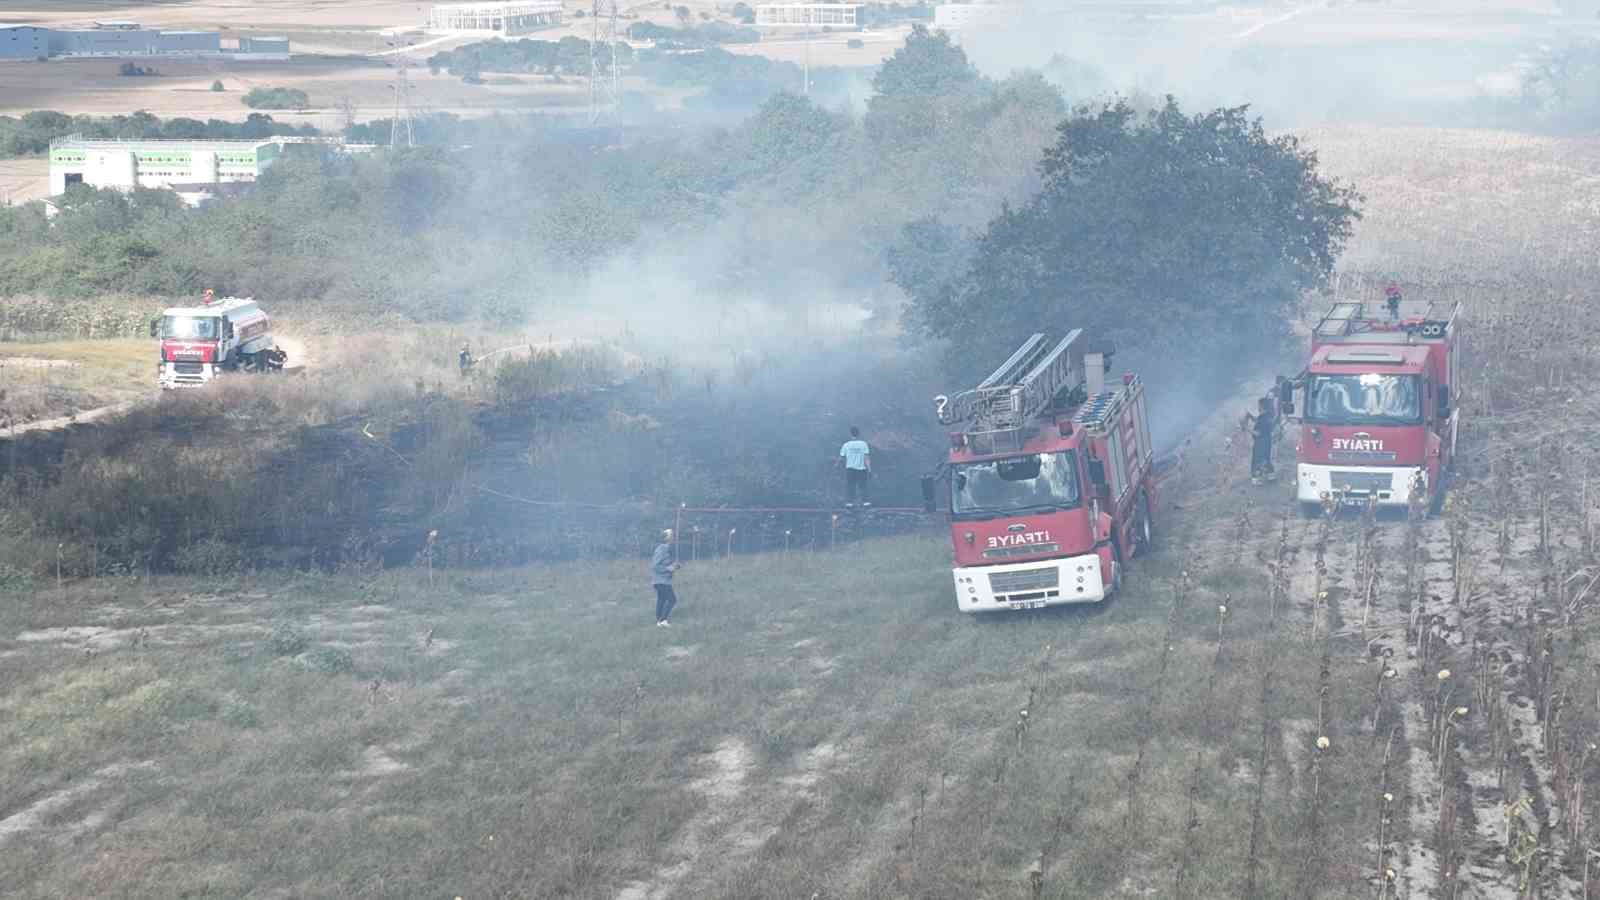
(1353, 501)
(1027, 604)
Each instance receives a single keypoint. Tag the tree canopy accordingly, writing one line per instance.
(1163, 226)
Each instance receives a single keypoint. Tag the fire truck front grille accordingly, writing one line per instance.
(189, 368)
(1025, 580)
(1362, 481)
(1024, 550)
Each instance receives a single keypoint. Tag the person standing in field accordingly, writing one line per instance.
(1261, 425)
(856, 458)
(662, 564)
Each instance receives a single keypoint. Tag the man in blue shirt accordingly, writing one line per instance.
(662, 564)
(856, 458)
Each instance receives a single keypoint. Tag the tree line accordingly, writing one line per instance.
(31, 133)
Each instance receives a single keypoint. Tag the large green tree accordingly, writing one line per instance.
(923, 93)
(1173, 232)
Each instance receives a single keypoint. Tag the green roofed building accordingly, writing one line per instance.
(154, 164)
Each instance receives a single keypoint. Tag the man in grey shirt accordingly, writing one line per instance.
(662, 564)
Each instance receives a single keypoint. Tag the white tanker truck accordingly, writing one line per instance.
(198, 342)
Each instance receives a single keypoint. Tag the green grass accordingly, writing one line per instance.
(101, 372)
(552, 742)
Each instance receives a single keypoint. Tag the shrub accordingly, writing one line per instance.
(133, 70)
(14, 579)
(217, 86)
(211, 556)
(276, 98)
(330, 660)
(286, 640)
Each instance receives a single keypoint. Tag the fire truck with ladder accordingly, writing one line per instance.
(199, 342)
(1050, 477)
(1379, 416)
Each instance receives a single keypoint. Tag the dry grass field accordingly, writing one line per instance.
(1466, 205)
(361, 15)
(41, 381)
(93, 87)
(1275, 707)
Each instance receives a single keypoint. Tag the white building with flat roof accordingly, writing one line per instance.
(153, 164)
(807, 15)
(504, 19)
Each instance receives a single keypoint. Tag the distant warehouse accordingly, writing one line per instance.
(504, 19)
(24, 42)
(156, 164)
(119, 38)
(807, 15)
(264, 47)
(133, 42)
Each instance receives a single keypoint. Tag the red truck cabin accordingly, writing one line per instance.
(1051, 522)
(1378, 420)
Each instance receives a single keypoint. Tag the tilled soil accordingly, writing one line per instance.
(1458, 615)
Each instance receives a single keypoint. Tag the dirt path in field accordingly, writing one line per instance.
(32, 817)
(82, 418)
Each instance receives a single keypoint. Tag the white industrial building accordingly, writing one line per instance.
(806, 15)
(504, 19)
(153, 164)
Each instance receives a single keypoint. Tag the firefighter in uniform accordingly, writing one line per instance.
(464, 358)
(1261, 424)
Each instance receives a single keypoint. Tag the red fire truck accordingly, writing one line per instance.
(1050, 479)
(1378, 420)
(199, 342)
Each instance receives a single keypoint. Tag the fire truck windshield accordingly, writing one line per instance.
(199, 328)
(1370, 399)
(1016, 484)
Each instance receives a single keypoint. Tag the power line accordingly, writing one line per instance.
(603, 95)
(402, 104)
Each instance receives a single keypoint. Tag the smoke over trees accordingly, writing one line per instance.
(987, 203)
(1161, 226)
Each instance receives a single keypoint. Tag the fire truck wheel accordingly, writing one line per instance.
(1144, 535)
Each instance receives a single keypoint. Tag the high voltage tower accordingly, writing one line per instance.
(603, 96)
(402, 94)
(402, 108)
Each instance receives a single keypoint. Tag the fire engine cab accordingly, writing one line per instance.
(1379, 418)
